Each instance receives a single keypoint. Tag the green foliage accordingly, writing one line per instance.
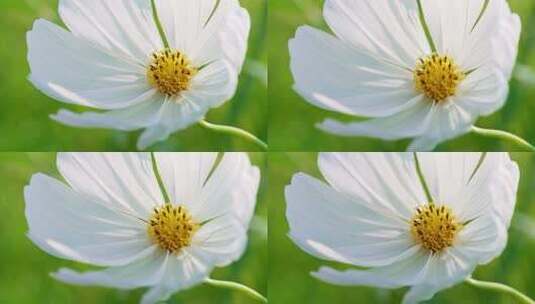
(24, 274)
(25, 122)
(290, 281)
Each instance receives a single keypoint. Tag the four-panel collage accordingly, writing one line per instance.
(267, 151)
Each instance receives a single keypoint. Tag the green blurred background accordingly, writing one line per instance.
(24, 270)
(292, 120)
(290, 282)
(24, 121)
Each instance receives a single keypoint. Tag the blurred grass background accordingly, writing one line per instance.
(24, 121)
(292, 120)
(290, 282)
(24, 273)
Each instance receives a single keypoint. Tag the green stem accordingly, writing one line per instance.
(502, 135)
(238, 287)
(422, 179)
(497, 287)
(235, 132)
(159, 24)
(159, 178)
(426, 27)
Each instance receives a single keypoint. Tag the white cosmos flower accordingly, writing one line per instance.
(113, 59)
(379, 64)
(373, 213)
(111, 214)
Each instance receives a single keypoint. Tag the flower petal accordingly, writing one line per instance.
(409, 123)
(333, 226)
(181, 273)
(386, 182)
(184, 175)
(124, 27)
(56, 58)
(483, 92)
(145, 272)
(220, 241)
(333, 76)
(388, 30)
(90, 231)
(231, 189)
(131, 118)
(201, 28)
(125, 181)
(405, 272)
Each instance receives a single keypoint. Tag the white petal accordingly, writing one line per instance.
(145, 272)
(182, 272)
(406, 272)
(483, 92)
(482, 239)
(127, 119)
(204, 32)
(505, 45)
(448, 121)
(220, 241)
(184, 175)
(388, 30)
(123, 27)
(330, 225)
(76, 71)
(125, 181)
(231, 189)
(332, 75)
(409, 123)
(386, 182)
(82, 228)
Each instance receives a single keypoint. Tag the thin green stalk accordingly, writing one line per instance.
(501, 288)
(506, 136)
(235, 132)
(426, 27)
(159, 178)
(237, 287)
(422, 179)
(159, 24)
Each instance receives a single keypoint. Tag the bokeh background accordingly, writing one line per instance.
(24, 273)
(24, 115)
(290, 282)
(292, 120)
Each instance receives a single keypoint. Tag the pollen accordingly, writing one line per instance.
(437, 77)
(172, 228)
(170, 72)
(434, 227)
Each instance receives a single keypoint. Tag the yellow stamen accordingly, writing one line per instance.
(434, 227)
(437, 77)
(170, 72)
(172, 228)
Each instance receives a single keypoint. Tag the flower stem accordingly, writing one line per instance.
(235, 132)
(238, 287)
(497, 287)
(159, 24)
(159, 178)
(426, 27)
(422, 179)
(504, 136)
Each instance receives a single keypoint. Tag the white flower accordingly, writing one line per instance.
(380, 65)
(113, 59)
(374, 213)
(111, 213)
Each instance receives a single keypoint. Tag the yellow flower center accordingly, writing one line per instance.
(170, 72)
(437, 76)
(434, 227)
(171, 227)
